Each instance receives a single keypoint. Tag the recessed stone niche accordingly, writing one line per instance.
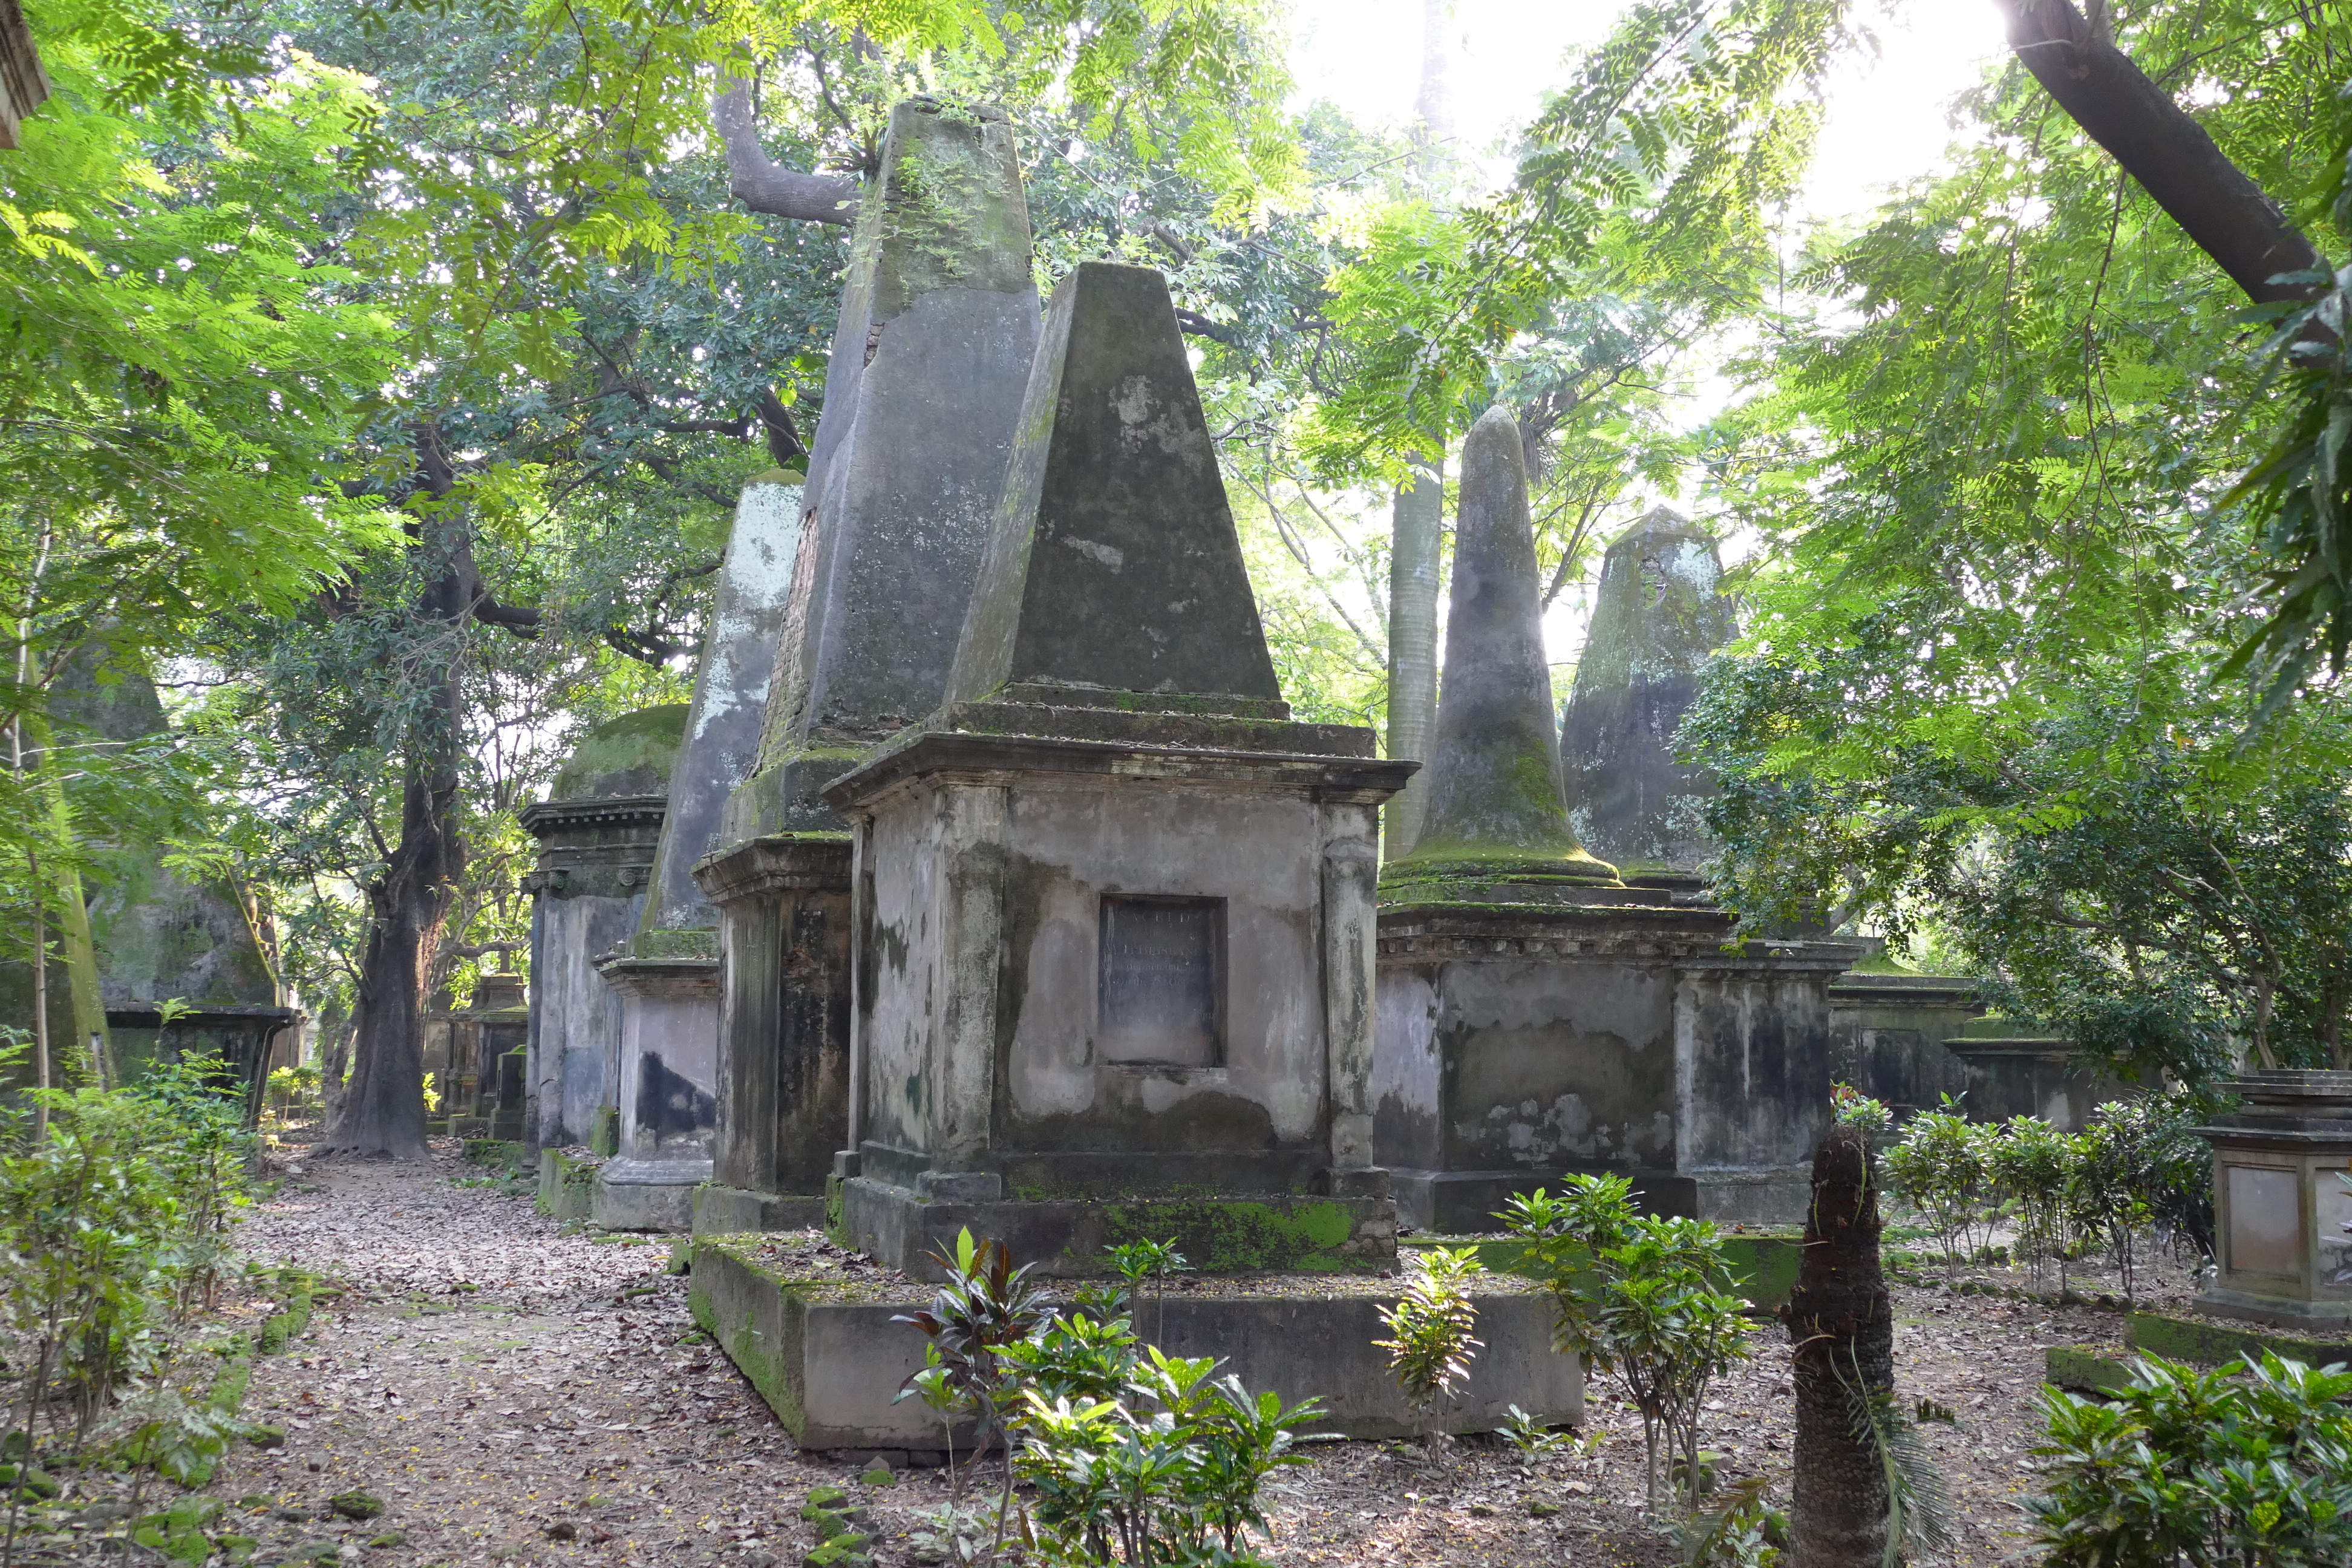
(1113, 910)
(2282, 1210)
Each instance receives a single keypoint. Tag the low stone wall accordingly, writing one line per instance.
(829, 1361)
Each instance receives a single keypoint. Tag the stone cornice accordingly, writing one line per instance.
(541, 818)
(1003, 759)
(777, 863)
(660, 976)
(1687, 937)
(1927, 988)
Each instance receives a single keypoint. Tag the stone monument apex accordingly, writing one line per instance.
(1659, 615)
(1493, 787)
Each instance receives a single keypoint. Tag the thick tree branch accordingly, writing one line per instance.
(762, 184)
(783, 438)
(2161, 145)
(1199, 326)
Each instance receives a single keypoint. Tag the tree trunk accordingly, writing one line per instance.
(1413, 580)
(1417, 541)
(2158, 143)
(383, 1110)
(1843, 1326)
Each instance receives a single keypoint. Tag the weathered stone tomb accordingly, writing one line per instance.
(1537, 1015)
(666, 975)
(1112, 910)
(597, 830)
(938, 323)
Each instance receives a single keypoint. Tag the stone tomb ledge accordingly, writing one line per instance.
(824, 1354)
(1762, 1260)
(2184, 1337)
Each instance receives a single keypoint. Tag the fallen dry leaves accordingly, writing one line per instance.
(519, 1392)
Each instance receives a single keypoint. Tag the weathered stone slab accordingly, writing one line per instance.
(939, 322)
(2011, 1068)
(1888, 1035)
(1113, 562)
(1659, 615)
(1517, 1044)
(830, 1364)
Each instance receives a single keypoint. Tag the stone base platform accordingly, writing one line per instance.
(567, 1187)
(2279, 1311)
(1066, 1238)
(729, 1211)
(1459, 1203)
(829, 1362)
(2191, 1338)
(648, 1195)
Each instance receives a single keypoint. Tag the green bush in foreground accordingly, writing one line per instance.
(2249, 1466)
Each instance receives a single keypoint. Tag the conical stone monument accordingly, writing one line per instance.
(131, 935)
(1536, 1015)
(938, 323)
(666, 975)
(1660, 614)
(1494, 809)
(1115, 907)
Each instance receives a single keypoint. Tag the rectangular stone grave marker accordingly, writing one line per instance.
(1163, 979)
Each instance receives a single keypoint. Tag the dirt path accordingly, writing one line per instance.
(516, 1392)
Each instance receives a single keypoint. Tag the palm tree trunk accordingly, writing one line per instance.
(1842, 1325)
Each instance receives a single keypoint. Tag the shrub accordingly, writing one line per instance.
(1432, 1321)
(114, 1220)
(1645, 1301)
(2033, 1166)
(2249, 1466)
(1938, 1168)
(1133, 1456)
(1852, 1107)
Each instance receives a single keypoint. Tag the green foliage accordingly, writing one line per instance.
(1168, 1471)
(1852, 1107)
(113, 1226)
(1646, 1301)
(2298, 496)
(1938, 1168)
(1132, 1456)
(1431, 1320)
(1990, 450)
(1738, 1530)
(1530, 1438)
(2250, 1464)
(2136, 1167)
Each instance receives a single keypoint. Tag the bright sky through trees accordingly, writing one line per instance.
(1888, 121)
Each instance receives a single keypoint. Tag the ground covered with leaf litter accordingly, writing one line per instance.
(512, 1391)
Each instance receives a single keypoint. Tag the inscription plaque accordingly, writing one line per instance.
(2265, 1221)
(1162, 992)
